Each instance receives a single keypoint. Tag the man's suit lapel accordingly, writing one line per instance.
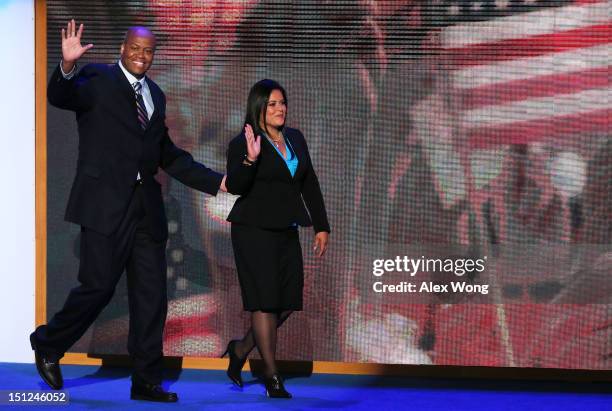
(124, 85)
(126, 92)
(157, 100)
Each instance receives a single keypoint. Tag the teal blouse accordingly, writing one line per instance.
(291, 160)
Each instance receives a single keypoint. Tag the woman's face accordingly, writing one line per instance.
(276, 110)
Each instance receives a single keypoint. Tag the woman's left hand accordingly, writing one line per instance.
(320, 243)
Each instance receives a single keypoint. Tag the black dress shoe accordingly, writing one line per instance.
(152, 392)
(275, 388)
(48, 370)
(235, 363)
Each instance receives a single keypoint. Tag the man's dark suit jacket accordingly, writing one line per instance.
(269, 196)
(113, 149)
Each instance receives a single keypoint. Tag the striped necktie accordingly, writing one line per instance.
(143, 117)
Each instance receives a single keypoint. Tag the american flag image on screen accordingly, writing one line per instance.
(527, 70)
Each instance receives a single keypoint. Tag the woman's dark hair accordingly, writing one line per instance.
(257, 103)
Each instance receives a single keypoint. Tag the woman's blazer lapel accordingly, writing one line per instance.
(301, 155)
(276, 161)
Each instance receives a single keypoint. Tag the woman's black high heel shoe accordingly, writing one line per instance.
(236, 363)
(275, 388)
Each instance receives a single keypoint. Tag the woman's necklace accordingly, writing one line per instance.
(277, 141)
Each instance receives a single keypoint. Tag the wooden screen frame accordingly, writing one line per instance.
(438, 371)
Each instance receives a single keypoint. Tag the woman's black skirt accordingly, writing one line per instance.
(270, 267)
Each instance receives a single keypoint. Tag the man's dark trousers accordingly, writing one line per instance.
(103, 260)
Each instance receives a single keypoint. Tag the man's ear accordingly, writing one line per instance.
(122, 47)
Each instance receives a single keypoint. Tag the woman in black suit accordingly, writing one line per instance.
(274, 176)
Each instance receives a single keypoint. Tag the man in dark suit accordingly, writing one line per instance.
(123, 140)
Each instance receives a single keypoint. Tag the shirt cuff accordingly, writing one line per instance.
(69, 75)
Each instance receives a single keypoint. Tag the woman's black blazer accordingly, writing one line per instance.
(269, 196)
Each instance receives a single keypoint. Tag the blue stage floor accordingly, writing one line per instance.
(92, 387)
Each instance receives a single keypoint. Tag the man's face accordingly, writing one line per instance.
(137, 53)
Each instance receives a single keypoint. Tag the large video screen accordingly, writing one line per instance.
(463, 150)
